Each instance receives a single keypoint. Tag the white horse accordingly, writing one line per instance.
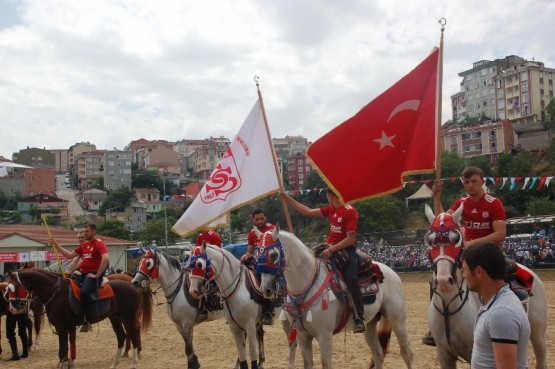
(243, 314)
(315, 312)
(182, 309)
(453, 308)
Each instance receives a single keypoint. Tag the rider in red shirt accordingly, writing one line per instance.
(343, 220)
(259, 220)
(95, 260)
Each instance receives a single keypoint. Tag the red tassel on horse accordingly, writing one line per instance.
(324, 304)
(293, 335)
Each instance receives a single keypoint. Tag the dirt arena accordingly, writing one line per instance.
(163, 346)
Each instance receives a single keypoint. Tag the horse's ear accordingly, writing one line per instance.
(275, 232)
(203, 246)
(429, 213)
(457, 214)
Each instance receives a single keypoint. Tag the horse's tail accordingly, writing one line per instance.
(38, 312)
(144, 311)
(384, 333)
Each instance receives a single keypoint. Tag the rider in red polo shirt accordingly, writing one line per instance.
(95, 260)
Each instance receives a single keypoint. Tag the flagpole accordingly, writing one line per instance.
(437, 200)
(54, 247)
(281, 188)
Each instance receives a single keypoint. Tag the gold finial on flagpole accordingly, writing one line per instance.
(443, 22)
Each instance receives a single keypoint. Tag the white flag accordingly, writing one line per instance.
(245, 174)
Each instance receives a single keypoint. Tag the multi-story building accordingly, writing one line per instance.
(160, 159)
(34, 157)
(149, 198)
(61, 159)
(141, 143)
(36, 206)
(208, 156)
(523, 91)
(40, 181)
(117, 169)
(92, 199)
(477, 95)
(133, 217)
(90, 168)
(480, 139)
(298, 169)
(290, 151)
(13, 184)
(187, 155)
(74, 151)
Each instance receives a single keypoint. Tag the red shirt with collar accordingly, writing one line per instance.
(343, 220)
(91, 253)
(479, 216)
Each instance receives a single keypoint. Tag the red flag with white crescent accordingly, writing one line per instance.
(391, 137)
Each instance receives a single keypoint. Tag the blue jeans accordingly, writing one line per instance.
(89, 286)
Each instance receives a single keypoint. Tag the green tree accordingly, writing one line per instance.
(540, 206)
(154, 231)
(508, 165)
(146, 179)
(550, 111)
(118, 198)
(114, 228)
(381, 215)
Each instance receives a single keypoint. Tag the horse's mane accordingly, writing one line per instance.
(47, 273)
(290, 237)
(172, 260)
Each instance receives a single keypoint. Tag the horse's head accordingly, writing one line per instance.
(444, 240)
(200, 270)
(271, 261)
(149, 269)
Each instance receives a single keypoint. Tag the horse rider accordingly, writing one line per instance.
(259, 221)
(484, 215)
(17, 314)
(343, 220)
(213, 238)
(95, 260)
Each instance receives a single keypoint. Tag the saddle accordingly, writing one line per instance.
(519, 279)
(369, 273)
(104, 292)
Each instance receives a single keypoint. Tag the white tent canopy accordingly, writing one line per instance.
(424, 192)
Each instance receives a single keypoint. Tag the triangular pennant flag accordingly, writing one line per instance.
(504, 182)
(542, 182)
(534, 179)
(525, 182)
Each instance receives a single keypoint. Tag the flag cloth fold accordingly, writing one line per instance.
(245, 174)
(394, 135)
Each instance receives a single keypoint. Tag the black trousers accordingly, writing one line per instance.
(350, 277)
(19, 320)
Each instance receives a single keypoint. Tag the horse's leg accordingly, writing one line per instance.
(253, 344)
(305, 344)
(239, 338)
(29, 333)
(286, 325)
(133, 332)
(398, 324)
(260, 339)
(537, 337)
(187, 334)
(127, 345)
(117, 326)
(62, 344)
(325, 343)
(72, 344)
(445, 358)
(371, 338)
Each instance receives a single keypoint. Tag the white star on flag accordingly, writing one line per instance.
(385, 140)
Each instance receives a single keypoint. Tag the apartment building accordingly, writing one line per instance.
(90, 168)
(208, 156)
(40, 181)
(34, 157)
(117, 169)
(477, 95)
(523, 91)
(134, 146)
(488, 139)
(290, 151)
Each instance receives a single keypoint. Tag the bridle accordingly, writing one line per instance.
(445, 242)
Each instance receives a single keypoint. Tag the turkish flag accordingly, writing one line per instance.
(392, 136)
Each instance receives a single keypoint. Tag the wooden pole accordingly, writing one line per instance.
(278, 175)
(54, 247)
(437, 196)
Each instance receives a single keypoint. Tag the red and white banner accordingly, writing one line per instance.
(394, 135)
(245, 174)
(9, 257)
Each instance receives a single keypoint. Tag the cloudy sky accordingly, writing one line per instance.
(111, 71)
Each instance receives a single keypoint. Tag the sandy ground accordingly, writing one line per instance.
(163, 346)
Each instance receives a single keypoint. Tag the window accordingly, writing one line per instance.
(453, 140)
(524, 76)
(492, 133)
(524, 87)
(524, 109)
(476, 147)
(485, 103)
(471, 135)
(493, 147)
(500, 104)
(501, 114)
(524, 98)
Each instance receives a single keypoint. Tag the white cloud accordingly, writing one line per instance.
(109, 71)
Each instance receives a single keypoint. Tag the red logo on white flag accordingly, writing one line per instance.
(224, 180)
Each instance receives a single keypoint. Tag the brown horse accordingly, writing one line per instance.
(145, 294)
(126, 310)
(37, 308)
